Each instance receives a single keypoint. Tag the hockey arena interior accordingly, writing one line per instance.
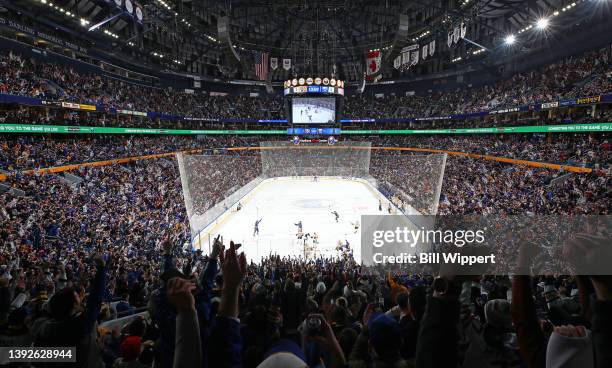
(254, 183)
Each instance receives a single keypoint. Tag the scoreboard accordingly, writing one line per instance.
(314, 100)
(317, 85)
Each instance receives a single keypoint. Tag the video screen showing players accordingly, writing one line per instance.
(313, 110)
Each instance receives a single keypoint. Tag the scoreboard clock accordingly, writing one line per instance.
(313, 85)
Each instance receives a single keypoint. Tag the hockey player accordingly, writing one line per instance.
(355, 227)
(335, 213)
(339, 246)
(256, 229)
(380, 206)
(239, 207)
(299, 226)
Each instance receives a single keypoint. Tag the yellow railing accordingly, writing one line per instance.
(547, 165)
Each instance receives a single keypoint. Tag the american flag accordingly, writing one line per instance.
(261, 65)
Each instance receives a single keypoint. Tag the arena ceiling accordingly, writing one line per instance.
(320, 36)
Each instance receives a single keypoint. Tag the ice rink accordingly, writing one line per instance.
(281, 202)
(303, 114)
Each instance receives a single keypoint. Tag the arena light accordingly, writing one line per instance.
(510, 39)
(164, 4)
(542, 24)
(568, 7)
(110, 34)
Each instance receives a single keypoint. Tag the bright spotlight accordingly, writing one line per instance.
(542, 23)
(510, 39)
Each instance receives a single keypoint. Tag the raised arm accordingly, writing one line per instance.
(226, 342)
(206, 281)
(187, 345)
(439, 335)
(96, 293)
(531, 340)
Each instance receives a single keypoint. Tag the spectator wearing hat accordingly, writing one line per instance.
(71, 324)
(15, 331)
(497, 341)
(129, 353)
(379, 343)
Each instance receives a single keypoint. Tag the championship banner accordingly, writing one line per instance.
(405, 57)
(397, 62)
(273, 63)
(456, 34)
(286, 64)
(373, 60)
(408, 57)
(449, 40)
(414, 57)
(463, 29)
(424, 52)
(432, 47)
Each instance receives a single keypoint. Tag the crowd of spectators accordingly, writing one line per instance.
(23, 152)
(576, 149)
(56, 291)
(32, 152)
(584, 75)
(43, 116)
(76, 255)
(208, 182)
(73, 258)
(576, 76)
(31, 78)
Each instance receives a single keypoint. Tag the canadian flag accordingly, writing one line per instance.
(373, 62)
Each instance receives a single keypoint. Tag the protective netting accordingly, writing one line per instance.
(344, 159)
(213, 183)
(410, 180)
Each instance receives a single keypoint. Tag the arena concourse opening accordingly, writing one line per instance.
(293, 184)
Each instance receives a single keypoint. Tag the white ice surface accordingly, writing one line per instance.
(282, 202)
(303, 114)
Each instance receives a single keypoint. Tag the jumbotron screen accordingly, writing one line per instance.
(313, 110)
